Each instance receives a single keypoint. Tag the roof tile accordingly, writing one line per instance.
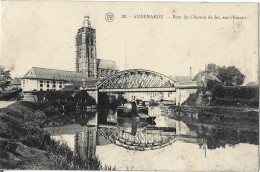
(107, 64)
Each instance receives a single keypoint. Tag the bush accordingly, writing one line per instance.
(10, 95)
(236, 102)
(20, 122)
(236, 92)
(65, 96)
(8, 145)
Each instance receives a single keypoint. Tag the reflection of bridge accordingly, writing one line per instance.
(144, 140)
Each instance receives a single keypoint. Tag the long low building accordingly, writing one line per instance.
(43, 79)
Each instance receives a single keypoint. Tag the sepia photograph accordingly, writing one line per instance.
(129, 86)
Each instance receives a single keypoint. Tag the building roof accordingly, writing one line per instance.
(15, 81)
(54, 74)
(92, 82)
(106, 64)
(181, 78)
(207, 75)
(70, 88)
(187, 83)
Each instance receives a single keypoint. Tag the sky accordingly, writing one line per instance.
(42, 34)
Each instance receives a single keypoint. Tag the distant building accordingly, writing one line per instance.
(181, 78)
(86, 55)
(42, 79)
(15, 83)
(203, 77)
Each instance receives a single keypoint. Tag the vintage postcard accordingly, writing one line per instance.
(143, 86)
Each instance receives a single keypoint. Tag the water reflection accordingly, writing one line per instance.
(81, 137)
(151, 128)
(85, 141)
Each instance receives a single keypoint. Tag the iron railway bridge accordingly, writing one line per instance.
(137, 80)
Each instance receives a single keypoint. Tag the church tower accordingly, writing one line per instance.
(86, 59)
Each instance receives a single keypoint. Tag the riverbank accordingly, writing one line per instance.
(214, 114)
(24, 144)
(225, 96)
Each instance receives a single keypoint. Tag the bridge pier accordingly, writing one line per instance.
(182, 94)
(93, 93)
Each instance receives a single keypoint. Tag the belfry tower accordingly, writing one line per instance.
(86, 59)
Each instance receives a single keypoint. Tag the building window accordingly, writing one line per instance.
(24, 82)
(41, 89)
(54, 85)
(91, 72)
(41, 83)
(47, 89)
(48, 84)
(60, 84)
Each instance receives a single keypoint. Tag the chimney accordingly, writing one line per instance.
(190, 72)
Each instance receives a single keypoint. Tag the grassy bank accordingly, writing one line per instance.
(24, 144)
(215, 114)
(216, 94)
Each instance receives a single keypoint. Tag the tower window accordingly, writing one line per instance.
(92, 41)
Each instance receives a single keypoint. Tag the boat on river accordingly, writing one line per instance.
(127, 106)
(131, 105)
(133, 109)
(146, 117)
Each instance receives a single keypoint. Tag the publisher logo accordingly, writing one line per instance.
(109, 17)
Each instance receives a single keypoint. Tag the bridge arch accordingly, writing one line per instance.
(137, 80)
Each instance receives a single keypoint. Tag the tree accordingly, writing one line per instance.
(229, 76)
(212, 68)
(5, 78)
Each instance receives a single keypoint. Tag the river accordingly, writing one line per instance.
(160, 139)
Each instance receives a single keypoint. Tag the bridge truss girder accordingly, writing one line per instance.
(138, 80)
